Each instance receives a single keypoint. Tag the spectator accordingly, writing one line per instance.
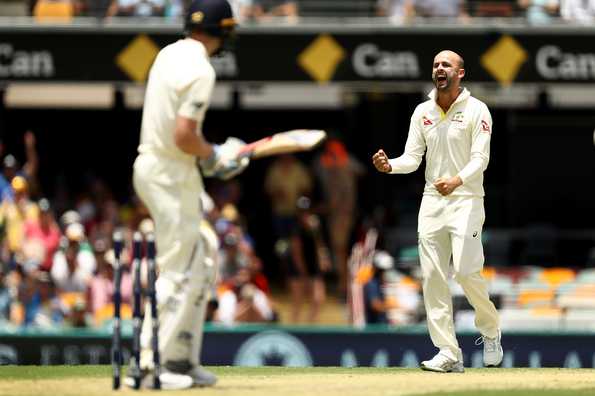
(69, 217)
(74, 264)
(338, 172)
(137, 8)
(233, 254)
(56, 10)
(5, 296)
(241, 301)
(263, 10)
(539, 12)
(376, 304)
(14, 214)
(97, 8)
(398, 11)
(581, 11)
(45, 230)
(5, 188)
(101, 286)
(241, 9)
(28, 171)
(442, 8)
(309, 261)
(285, 181)
(42, 306)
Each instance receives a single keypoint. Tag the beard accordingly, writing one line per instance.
(442, 83)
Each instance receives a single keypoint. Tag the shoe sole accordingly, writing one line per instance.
(147, 383)
(434, 370)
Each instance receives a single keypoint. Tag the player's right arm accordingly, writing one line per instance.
(194, 101)
(411, 158)
(216, 160)
(189, 140)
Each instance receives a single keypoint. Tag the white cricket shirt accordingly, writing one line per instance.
(180, 83)
(456, 143)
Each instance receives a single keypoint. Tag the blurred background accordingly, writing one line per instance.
(316, 244)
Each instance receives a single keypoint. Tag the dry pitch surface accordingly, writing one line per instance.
(279, 381)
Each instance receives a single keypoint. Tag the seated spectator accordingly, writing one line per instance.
(376, 304)
(100, 292)
(97, 8)
(137, 8)
(539, 12)
(74, 264)
(267, 9)
(580, 11)
(398, 11)
(441, 8)
(53, 10)
(45, 230)
(5, 296)
(75, 315)
(42, 305)
(241, 301)
(241, 9)
(232, 255)
(69, 217)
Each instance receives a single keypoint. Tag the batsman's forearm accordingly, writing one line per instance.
(194, 144)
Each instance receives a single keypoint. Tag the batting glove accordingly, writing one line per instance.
(225, 162)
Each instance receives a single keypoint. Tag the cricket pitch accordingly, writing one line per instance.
(332, 381)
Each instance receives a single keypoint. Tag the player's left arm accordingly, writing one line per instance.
(480, 154)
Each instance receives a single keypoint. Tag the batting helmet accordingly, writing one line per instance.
(214, 17)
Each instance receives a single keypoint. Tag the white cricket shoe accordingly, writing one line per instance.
(169, 380)
(492, 350)
(443, 364)
(202, 377)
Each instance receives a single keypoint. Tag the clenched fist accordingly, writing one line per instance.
(380, 160)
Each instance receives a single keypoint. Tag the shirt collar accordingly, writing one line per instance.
(464, 95)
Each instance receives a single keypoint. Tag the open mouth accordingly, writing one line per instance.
(441, 78)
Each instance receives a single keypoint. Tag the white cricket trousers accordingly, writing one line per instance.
(171, 191)
(451, 227)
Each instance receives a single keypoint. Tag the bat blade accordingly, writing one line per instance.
(284, 142)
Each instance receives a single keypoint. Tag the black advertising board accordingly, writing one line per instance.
(314, 54)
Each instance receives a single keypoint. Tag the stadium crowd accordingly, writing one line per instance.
(57, 268)
(57, 262)
(249, 11)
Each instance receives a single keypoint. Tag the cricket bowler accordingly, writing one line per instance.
(167, 180)
(453, 129)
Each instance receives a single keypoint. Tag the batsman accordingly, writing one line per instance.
(168, 181)
(453, 130)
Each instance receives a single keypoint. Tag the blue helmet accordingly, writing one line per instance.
(214, 17)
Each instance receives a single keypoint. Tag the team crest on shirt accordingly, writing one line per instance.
(485, 127)
(458, 117)
(426, 121)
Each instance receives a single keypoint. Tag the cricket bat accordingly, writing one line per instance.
(284, 142)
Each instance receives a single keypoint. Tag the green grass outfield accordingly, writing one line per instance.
(332, 381)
